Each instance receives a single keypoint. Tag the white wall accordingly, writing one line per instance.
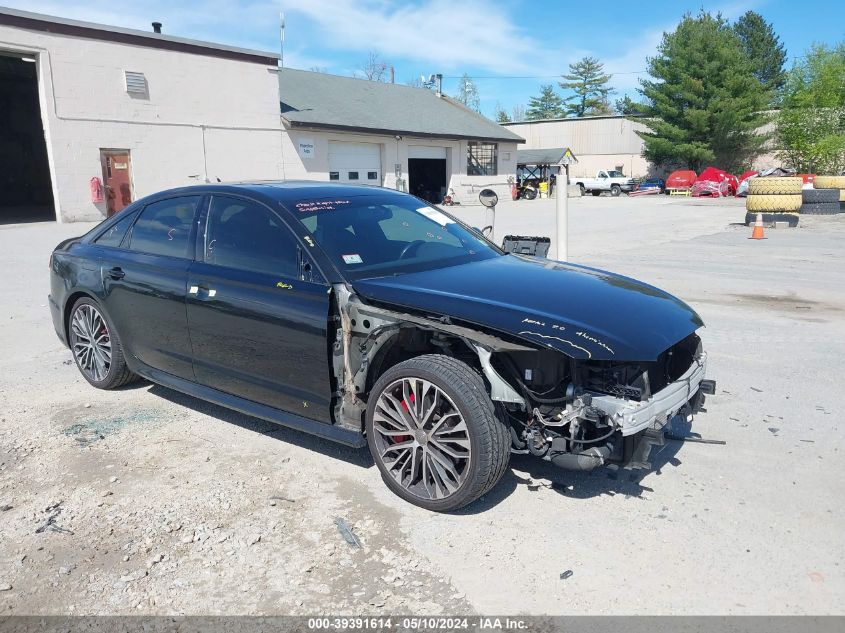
(597, 142)
(395, 151)
(204, 116)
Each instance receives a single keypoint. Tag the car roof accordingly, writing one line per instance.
(284, 190)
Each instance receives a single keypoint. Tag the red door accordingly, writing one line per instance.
(117, 179)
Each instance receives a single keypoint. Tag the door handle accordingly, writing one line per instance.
(116, 273)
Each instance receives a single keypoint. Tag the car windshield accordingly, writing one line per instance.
(388, 234)
(615, 174)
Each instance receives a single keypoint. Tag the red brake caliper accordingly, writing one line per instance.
(404, 438)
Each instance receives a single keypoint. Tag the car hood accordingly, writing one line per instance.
(583, 312)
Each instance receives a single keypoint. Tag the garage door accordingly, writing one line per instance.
(355, 162)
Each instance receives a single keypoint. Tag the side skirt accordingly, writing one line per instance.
(328, 431)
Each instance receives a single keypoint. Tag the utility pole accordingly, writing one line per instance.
(281, 39)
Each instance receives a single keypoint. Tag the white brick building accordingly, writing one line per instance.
(139, 112)
(202, 110)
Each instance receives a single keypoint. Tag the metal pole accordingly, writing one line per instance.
(561, 221)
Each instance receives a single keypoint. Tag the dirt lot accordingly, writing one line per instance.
(147, 501)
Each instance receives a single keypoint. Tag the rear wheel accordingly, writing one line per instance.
(434, 435)
(96, 346)
(530, 193)
(583, 191)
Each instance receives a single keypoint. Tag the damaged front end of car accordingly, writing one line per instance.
(577, 413)
(588, 413)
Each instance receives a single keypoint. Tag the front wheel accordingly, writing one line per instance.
(529, 193)
(96, 346)
(433, 433)
(615, 190)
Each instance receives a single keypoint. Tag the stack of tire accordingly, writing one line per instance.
(778, 198)
(826, 197)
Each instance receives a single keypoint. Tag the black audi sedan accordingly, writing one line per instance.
(367, 316)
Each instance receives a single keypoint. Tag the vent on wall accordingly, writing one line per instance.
(136, 83)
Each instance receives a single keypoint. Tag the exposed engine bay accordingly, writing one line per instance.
(576, 413)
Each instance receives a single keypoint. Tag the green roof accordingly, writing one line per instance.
(549, 156)
(318, 100)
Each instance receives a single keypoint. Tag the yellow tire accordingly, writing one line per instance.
(774, 202)
(768, 185)
(829, 182)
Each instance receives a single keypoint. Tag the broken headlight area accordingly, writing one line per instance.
(584, 414)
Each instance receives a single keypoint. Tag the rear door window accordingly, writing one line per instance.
(248, 236)
(164, 227)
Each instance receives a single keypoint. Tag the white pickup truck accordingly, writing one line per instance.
(606, 180)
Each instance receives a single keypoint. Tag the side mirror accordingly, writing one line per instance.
(488, 198)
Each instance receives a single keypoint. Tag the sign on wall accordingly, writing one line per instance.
(306, 148)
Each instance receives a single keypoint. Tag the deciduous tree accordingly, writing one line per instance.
(468, 93)
(373, 68)
(810, 126)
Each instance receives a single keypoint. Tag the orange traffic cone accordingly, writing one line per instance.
(757, 233)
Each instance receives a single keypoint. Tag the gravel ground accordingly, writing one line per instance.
(146, 501)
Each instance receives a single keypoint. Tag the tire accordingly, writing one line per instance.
(529, 194)
(615, 190)
(771, 218)
(773, 202)
(814, 196)
(820, 208)
(595, 192)
(91, 334)
(829, 182)
(458, 395)
(583, 191)
(768, 185)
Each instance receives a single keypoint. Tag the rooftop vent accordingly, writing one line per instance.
(136, 83)
(156, 27)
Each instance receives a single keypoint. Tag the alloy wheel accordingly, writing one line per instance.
(90, 342)
(421, 438)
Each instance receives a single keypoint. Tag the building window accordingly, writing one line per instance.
(482, 158)
(334, 175)
(353, 175)
(372, 175)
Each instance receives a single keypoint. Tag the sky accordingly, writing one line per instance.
(510, 48)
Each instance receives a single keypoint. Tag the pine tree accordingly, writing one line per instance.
(500, 115)
(588, 81)
(763, 48)
(468, 93)
(548, 105)
(705, 104)
(628, 107)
